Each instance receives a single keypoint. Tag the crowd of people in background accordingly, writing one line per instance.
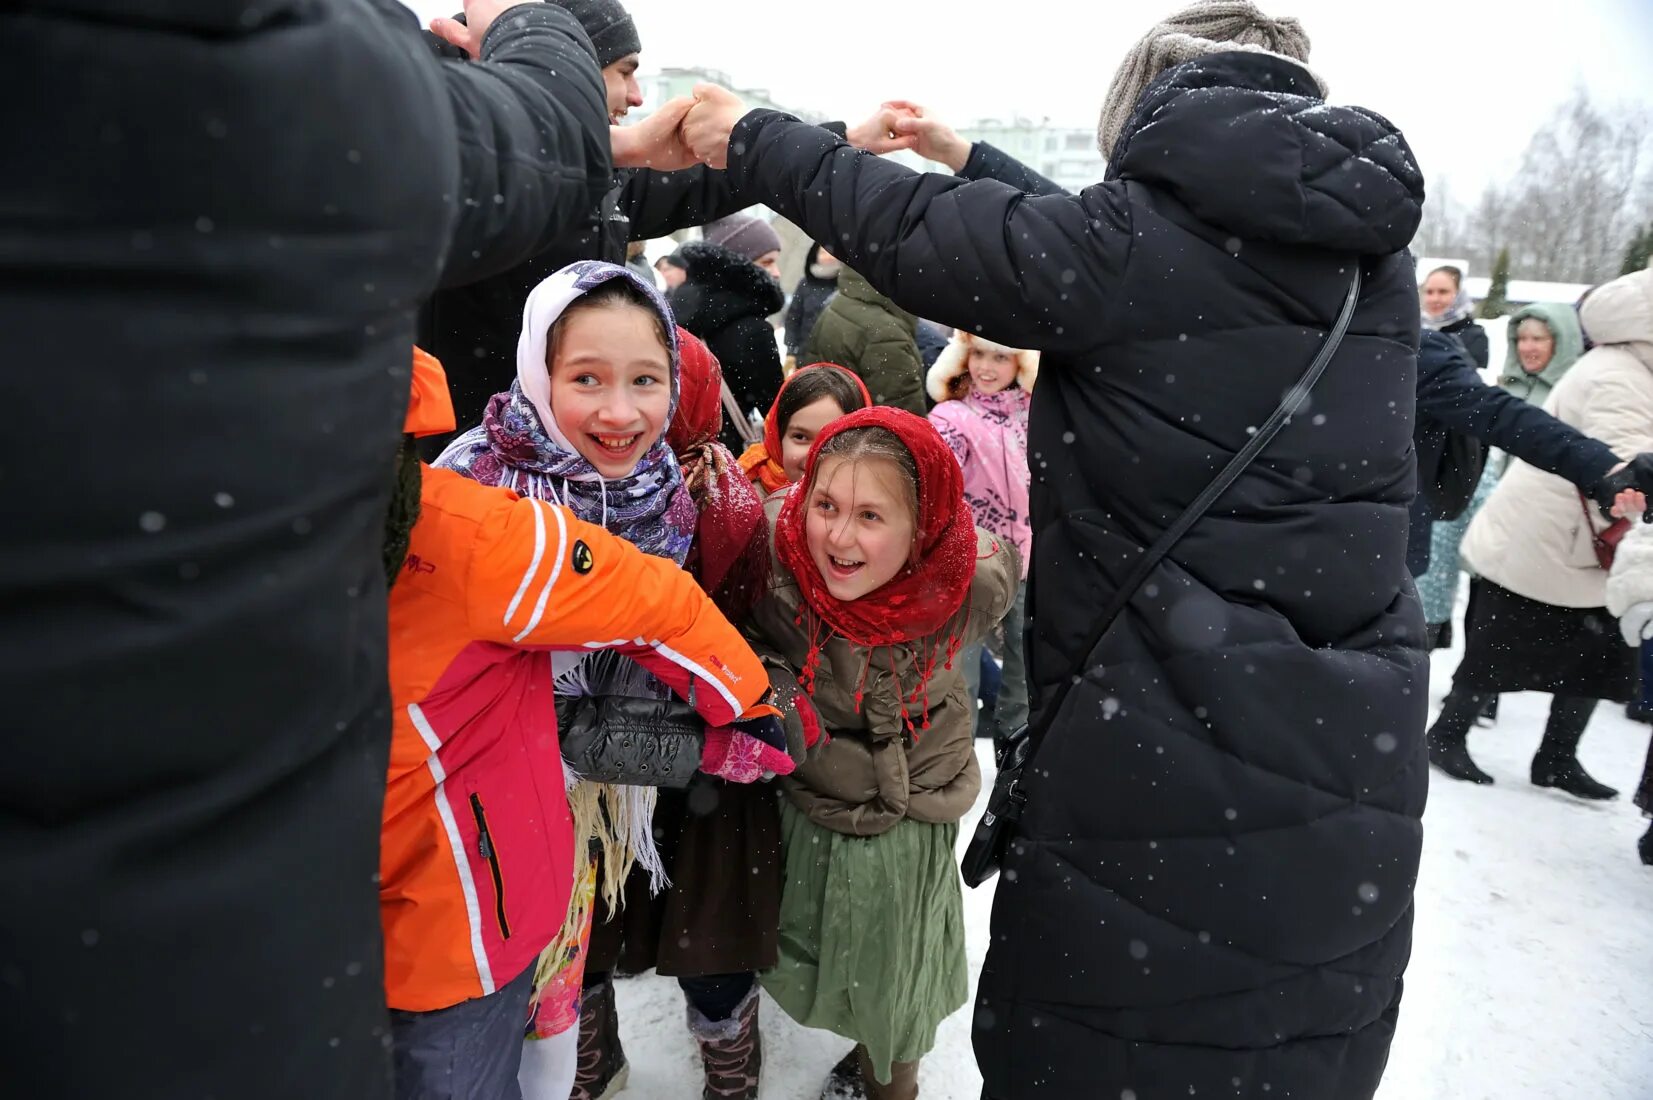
(582, 616)
(1541, 562)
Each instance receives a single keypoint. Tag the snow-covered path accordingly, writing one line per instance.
(1532, 967)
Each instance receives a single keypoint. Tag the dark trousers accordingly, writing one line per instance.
(1647, 674)
(714, 996)
(471, 1051)
(1569, 714)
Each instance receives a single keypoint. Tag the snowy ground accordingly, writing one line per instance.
(1532, 968)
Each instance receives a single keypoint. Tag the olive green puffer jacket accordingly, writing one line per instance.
(866, 332)
(871, 771)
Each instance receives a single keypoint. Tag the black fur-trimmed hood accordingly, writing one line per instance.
(722, 287)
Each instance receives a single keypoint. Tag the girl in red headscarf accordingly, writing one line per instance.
(813, 397)
(880, 580)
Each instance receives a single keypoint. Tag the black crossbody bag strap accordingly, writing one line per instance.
(1010, 798)
(1221, 484)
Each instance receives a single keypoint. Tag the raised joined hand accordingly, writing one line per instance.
(931, 138)
(709, 122)
(657, 141)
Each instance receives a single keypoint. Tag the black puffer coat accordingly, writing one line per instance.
(727, 302)
(212, 240)
(1212, 894)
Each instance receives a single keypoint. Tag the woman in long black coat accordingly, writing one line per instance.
(1214, 874)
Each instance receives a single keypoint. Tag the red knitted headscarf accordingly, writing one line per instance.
(922, 600)
(730, 554)
(762, 461)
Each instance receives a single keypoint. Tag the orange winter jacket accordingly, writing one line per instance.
(477, 858)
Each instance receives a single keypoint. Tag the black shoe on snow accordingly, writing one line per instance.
(1567, 774)
(1452, 757)
(1489, 714)
(1645, 846)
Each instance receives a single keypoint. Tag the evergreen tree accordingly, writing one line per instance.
(1496, 303)
(1639, 252)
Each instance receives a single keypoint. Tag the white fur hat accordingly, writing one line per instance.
(955, 360)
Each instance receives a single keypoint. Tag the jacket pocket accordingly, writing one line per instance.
(485, 848)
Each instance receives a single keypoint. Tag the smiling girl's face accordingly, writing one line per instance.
(992, 370)
(860, 527)
(611, 384)
(807, 423)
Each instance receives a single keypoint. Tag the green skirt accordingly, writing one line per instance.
(872, 935)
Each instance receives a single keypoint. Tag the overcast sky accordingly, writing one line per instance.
(1465, 85)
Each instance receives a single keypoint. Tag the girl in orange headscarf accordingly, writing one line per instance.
(813, 397)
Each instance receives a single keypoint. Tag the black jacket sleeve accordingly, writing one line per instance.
(1451, 393)
(659, 203)
(532, 123)
(989, 162)
(1031, 272)
(637, 742)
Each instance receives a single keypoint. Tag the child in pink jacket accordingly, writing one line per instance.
(983, 391)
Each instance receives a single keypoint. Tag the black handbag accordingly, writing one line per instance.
(997, 828)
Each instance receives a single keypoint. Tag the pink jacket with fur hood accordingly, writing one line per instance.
(988, 434)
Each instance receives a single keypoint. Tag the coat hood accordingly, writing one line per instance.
(1313, 174)
(1621, 312)
(955, 361)
(1562, 321)
(723, 283)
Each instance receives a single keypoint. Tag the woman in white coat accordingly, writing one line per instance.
(1630, 597)
(1541, 622)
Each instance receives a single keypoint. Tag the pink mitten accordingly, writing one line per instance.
(740, 757)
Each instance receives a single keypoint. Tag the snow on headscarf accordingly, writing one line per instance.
(519, 445)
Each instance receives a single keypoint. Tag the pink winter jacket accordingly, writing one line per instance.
(988, 434)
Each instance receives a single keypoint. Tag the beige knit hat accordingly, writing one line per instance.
(1205, 27)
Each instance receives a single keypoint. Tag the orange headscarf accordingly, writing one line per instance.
(761, 461)
(430, 406)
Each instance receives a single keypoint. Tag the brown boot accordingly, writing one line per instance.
(601, 1071)
(903, 1079)
(731, 1050)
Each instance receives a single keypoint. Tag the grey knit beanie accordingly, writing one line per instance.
(746, 236)
(1204, 27)
(613, 35)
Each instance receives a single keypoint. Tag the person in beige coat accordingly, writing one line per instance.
(1541, 621)
(1630, 597)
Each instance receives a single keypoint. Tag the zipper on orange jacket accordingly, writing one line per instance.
(485, 848)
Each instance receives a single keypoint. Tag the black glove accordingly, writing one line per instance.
(1636, 474)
